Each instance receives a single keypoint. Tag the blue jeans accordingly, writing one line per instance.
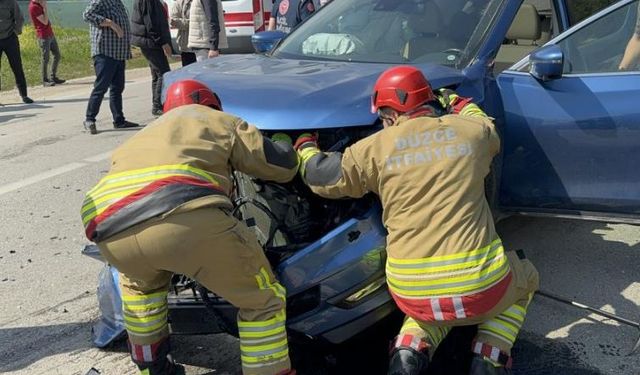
(109, 76)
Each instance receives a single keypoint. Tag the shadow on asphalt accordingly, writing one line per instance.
(21, 347)
(4, 119)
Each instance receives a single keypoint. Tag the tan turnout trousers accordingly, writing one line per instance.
(222, 254)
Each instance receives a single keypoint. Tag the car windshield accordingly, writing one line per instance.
(447, 32)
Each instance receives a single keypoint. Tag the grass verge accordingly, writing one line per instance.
(76, 59)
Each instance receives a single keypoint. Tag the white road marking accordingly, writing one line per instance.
(4, 189)
(40, 177)
(99, 157)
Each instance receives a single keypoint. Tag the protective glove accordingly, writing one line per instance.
(306, 140)
(282, 137)
(307, 147)
(446, 98)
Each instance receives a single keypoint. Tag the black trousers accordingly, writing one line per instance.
(11, 46)
(187, 58)
(159, 65)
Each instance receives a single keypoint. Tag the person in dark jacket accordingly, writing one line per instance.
(150, 32)
(11, 22)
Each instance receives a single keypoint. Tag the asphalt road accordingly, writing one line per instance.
(47, 289)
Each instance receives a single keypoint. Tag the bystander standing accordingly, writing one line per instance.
(110, 48)
(150, 32)
(46, 40)
(180, 20)
(206, 29)
(11, 22)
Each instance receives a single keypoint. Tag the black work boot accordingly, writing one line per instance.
(408, 361)
(480, 365)
(161, 361)
(161, 366)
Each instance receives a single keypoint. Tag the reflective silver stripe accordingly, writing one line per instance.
(415, 343)
(144, 313)
(146, 301)
(265, 364)
(263, 328)
(276, 338)
(435, 306)
(495, 354)
(477, 348)
(428, 264)
(146, 353)
(445, 285)
(457, 304)
(251, 353)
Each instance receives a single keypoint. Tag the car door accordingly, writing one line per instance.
(571, 143)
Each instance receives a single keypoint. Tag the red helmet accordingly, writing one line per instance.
(402, 88)
(190, 91)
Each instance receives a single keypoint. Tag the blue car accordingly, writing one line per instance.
(547, 71)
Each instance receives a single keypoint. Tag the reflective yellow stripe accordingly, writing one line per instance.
(264, 283)
(144, 296)
(260, 348)
(135, 308)
(460, 255)
(269, 358)
(452, 274)
(473, 274)
(114, 187)
(505, 335)
(304, 156)
(477, 273)
(516, 317)
(136, 172)
(476, 259)
(408, 325)
(150, 329)
(473, 110)
(146, 318)
(447, 290)
(262, 334)
(144, 372)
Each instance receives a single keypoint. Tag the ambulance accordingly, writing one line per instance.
(242, 19)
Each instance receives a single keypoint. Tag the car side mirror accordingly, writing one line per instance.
(546, 63)
(264, 41)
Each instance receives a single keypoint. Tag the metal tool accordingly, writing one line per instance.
(595, 311)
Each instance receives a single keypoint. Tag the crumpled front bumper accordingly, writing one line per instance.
(335, 286)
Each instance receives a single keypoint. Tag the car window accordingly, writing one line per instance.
(532, 27)
(392, 31)
(599, 46)
(581, 9)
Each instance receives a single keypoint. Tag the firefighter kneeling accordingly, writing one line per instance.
(163, 208)
(446, 265)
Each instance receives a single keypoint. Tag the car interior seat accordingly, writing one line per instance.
(427, 33)
(523, 37)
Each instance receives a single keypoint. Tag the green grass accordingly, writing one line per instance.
(76, 59)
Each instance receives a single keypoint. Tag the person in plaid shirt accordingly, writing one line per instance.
(110, 49)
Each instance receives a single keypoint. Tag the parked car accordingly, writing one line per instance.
(568, 118)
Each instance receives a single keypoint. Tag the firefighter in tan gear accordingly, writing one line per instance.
(446, 265)
(163, 208)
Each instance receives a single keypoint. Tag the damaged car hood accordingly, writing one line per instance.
(283, 94)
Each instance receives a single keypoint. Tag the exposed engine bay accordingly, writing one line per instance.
(288, 217)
